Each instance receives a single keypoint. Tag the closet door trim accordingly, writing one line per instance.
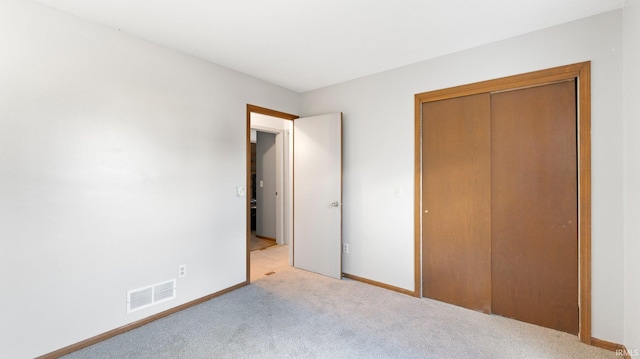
(582, 73)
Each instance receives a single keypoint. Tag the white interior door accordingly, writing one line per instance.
(317, 194)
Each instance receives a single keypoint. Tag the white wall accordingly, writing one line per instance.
(632, 174)
(118, 162)
(379, 150)
(266, 194)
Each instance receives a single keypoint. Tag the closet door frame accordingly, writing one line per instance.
(581, 72)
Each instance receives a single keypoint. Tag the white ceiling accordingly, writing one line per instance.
(307, 44)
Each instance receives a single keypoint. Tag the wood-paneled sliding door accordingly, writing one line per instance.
(456, 201)
(534, 198)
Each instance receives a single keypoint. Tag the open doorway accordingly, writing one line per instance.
(318, 189)
(270, 184)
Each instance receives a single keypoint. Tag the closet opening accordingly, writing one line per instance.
(502, 172)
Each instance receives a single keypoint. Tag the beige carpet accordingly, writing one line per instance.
(296, 314)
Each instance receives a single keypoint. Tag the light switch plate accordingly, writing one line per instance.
(240, 191)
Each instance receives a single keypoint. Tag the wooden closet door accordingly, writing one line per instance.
(456, 197)
(534, 206)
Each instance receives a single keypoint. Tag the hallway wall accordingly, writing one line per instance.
(265, 195)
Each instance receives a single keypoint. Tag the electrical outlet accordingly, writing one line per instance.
(345, 248)
(182, 270)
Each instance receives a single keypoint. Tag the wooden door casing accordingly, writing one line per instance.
(581, 74)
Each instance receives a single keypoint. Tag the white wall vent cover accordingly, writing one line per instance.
(147, 296)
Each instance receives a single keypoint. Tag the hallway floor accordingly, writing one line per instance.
(269, 260)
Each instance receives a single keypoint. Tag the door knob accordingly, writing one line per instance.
(335, 204)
